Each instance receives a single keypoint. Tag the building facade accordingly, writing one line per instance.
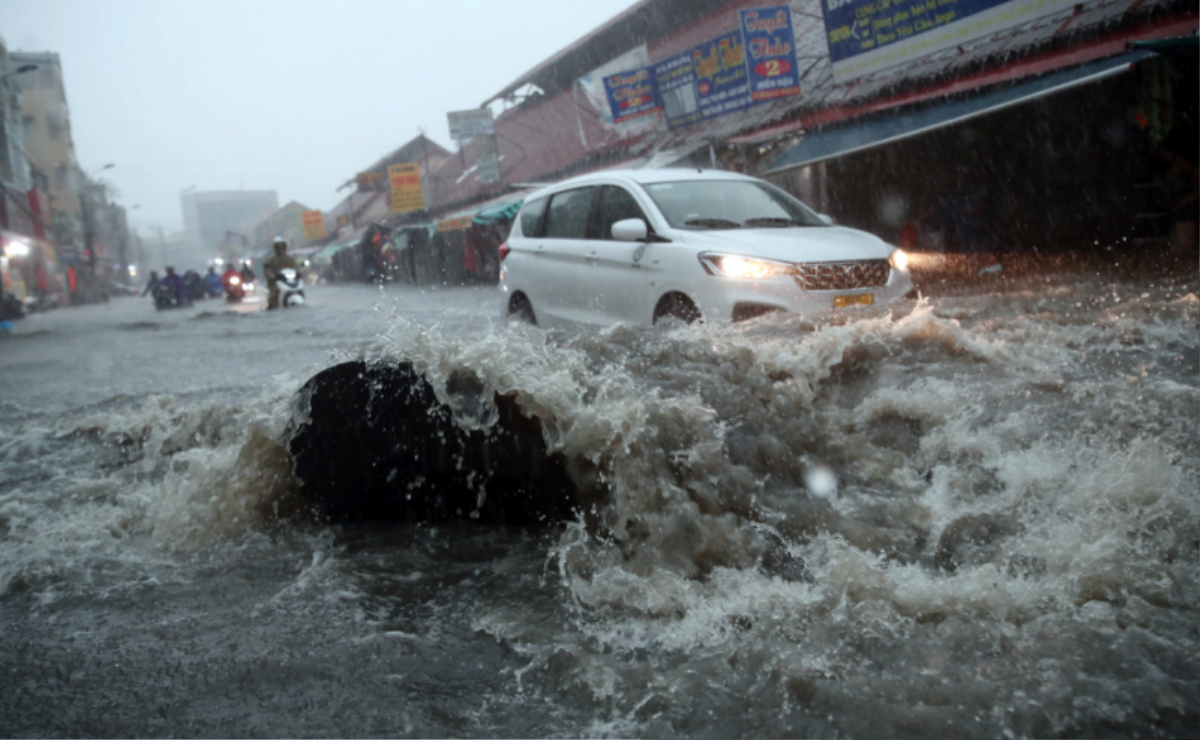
(216, 219)
(45, 121)
(1006, 113)
(285, 222)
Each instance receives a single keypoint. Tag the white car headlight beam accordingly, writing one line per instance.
(744, 268)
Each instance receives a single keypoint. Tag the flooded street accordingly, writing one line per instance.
(971, 515)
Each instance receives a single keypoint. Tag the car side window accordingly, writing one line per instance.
(531, 217)
(567, 216)
(616, 204)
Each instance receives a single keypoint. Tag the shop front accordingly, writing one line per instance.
(1064, 163)
(464, 247)
(29, 269)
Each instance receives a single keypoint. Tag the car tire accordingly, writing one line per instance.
(520, 309)
(676, 306)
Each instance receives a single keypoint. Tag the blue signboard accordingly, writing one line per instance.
(770, 53)
(722, 84)
(865, 35)
(676, 83)
(631, 94)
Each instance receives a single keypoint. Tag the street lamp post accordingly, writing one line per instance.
(124, 235)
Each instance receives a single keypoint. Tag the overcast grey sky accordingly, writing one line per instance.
(287, 95)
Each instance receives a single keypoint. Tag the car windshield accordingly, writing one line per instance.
(729, 204)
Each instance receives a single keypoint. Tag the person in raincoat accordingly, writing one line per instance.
(178, 287)
(279, 261)
(212, 283)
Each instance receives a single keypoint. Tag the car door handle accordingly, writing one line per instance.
(592, 258)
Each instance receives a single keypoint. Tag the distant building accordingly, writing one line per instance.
(285, 222)
(219, 218)
(14, 167)
(28, 261)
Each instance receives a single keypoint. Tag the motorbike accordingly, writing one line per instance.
(235, 291)
(195, 285)
(165, 297)
(291, 288)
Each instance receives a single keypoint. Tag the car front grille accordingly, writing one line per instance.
(842, 275)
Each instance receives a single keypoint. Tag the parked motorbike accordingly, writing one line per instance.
(291, 288)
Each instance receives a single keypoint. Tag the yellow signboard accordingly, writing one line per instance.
(454, 224)
(405, 181)
(314, 225)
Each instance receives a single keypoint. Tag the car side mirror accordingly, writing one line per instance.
(826, 218)
(630, 230)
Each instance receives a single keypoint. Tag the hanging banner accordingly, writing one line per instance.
(371, 182)
(722, 85)
(631, 94)
(405, 181)
(314, 225)
(471, 124)
(675, 81)
(455, 224)
(869, 35)
(770, 47)
(467, 124)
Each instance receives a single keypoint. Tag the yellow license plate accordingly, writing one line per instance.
(865, 299)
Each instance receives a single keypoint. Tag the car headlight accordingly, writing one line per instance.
(744, 268)
(899, 260)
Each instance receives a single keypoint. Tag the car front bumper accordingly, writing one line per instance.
(726, 299)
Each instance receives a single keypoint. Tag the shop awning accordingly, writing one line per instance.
(497, 209)
(1177, 45)
(826, 144)
(499, 212)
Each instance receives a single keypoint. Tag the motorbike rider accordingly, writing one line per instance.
(213, 283)
(273, 265)
(230, 272)
(247, 273)
(178, 287)
(151, 282)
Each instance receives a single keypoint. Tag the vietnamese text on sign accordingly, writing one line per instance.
(770, 50)
(314, 225)
(631, 94)
(722, 85)
(405, 182)
(868, 35)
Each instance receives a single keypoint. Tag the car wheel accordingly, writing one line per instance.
(520, 309)
(676, 306)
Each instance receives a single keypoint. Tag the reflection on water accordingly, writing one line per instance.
(974, 516)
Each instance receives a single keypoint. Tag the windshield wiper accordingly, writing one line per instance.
(773, 221)
(712, 223)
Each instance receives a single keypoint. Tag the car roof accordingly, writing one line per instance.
(641, 177)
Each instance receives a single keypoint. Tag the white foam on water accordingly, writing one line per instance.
(1010, 548)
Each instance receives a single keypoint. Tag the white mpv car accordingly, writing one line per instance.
(638, 246)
